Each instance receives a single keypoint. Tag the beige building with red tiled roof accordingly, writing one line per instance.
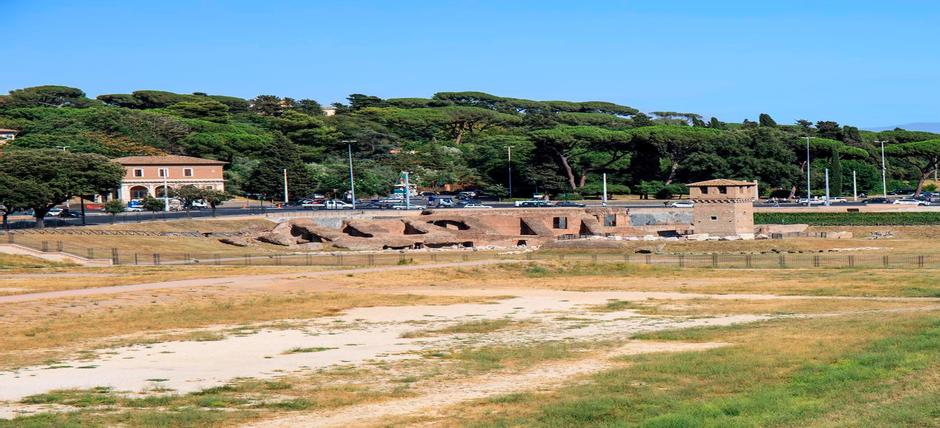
(147, 175)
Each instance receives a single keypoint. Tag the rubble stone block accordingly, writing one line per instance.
(237, 241)
(278, 238)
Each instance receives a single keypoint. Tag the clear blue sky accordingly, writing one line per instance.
(861, 62)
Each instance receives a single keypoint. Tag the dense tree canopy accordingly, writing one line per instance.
(53, 176)
(459, 139)
(922, 155)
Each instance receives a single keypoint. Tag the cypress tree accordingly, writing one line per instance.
(267, 178)
(835, 174)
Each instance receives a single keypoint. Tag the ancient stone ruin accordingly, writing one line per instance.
(453, 228)
(723, 210)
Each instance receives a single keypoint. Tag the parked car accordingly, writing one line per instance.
(134, 208)
(878, 200)
(375, 204)
(571, 204)
(312, 203)
(810, 202)
(441, 201)
(402, 206)
(54, 212)
(67, 213)
(336, 204)
(534, 203)
(476, 206)
(680, 204)
(908, 201)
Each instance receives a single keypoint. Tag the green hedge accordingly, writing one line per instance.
(850, 219)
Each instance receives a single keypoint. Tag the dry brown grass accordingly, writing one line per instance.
(610, 276)
(12, 263)
(57, 329)
(36, 340)
(143, 245)
(102, 244)
(32, 281)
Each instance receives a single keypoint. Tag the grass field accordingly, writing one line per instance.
(851, 371)
(525, 344)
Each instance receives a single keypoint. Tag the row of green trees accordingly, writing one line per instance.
(458, 138)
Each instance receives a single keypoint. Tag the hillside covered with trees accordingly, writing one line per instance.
(459, 138)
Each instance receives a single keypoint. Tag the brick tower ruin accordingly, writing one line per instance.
(723, 207)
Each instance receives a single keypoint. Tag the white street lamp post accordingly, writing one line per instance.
(884, 179)
(285, 187)
(854, 187)
(808, 186)
(407, 192)
(352, 180)
(166, 191)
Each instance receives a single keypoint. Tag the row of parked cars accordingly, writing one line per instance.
(137, 205)
(386, 204)
(925, 199)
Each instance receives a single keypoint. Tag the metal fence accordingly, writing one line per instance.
(238, 257)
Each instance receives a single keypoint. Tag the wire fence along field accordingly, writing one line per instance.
(236, 257)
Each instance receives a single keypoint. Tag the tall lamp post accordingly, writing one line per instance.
(407, 191)
(166, 191)
(854, 187)
(352, 181)
(808, 188)
(884, 176)
(509, 167)
(286, 200)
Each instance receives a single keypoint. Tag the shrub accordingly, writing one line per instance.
(850, 219)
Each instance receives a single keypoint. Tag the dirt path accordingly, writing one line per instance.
(542, 377)
(233, 281)
(359, 336)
